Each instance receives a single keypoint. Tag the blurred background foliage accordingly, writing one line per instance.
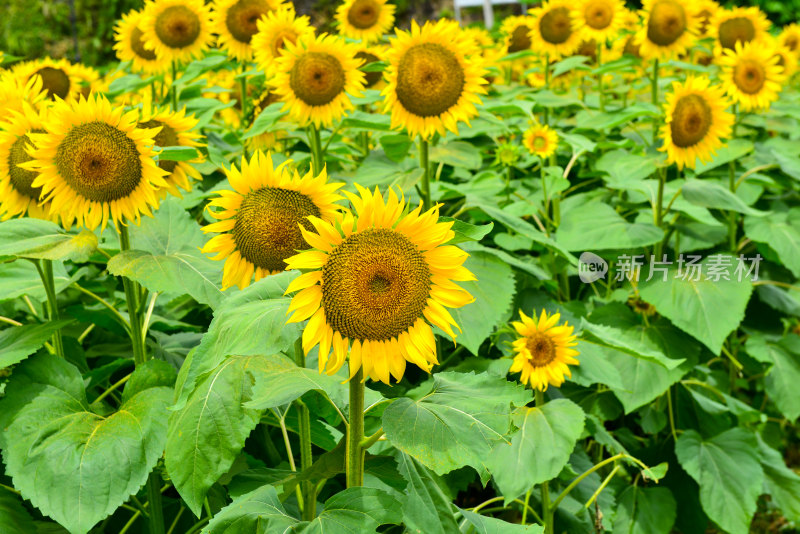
(36, 28)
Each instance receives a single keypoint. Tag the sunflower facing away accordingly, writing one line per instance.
(600, 20)
(543, 351)
(58, 77)
(751, 75)
(515, 32)
(367, 20)
(130, 45)
(670, 28)
(315, 76)
(17, 197)
(275, 30)
(236, 22)
(738, 25)
(434, 77)
(371, 282)
(177, 30)
(696, 121)
(540, 140)
(260, 220)
(95, 164)
(553, 31)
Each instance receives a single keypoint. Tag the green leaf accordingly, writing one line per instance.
(13, 517)
(491, 525)
(396, 146)
(166, 256)
(19, 342)
(539, 450)
(199, 66)
(40, 239)
(627, 342)
(711, 194)
(367, 121)
(259, 511)
(465, 231)
(456, 423)
(645, 511)
(177, 153)
(457, 154)
(594, 121)
(354, 511)
(781, 231)
(20, 278)
(150, 374)
(625, 168)
(266, 119)
(784, 375)
(733, 151)
(596, 226)
(727, 469)
(426, 508)
(782, 483)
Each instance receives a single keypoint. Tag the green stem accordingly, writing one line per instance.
(671, 413)
(174, 88)
(354, 459)
(156, 520)
(732, 219)
(132, 296)
(46, 273)
(546, 114)
(243, 98)
(600, 77)
(363, 141)
(509, 176)
(317, 159)
(654, 98)
(525, 508)
(585, 474)
(366, 443)
(111, 388)
(424, 163)
(658, 208)
(306, 458)
(548, 511)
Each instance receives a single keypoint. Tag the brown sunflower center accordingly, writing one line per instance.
(166, 137)
(519, 39)
(598, 14)
(705, 19)
(539, 142)
(266, 230)
(556, 25)
(749, 76)
(542, 349)
(22, 179)
(137, 45)
(242, 18)
(99, 161)
(791, 42)
(364, 14)
(738, 29)
(317, 78)
(371, 78)
(375, 285)
(55, 81)
(631, 48)
(588, 48)
(691, 120)
(667, 22)
(178, 27)
(430, 80)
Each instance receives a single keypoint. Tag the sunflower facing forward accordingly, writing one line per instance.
(543, 352)
(515, 32)
(260, 220)
(17, 196)
(600, 20)
(751, 75)
(790, 38)
(130, 45)
(670, 28)
(177, 30)
(236, 22)
(540, 140)
(275, 31)
(367, 20)
(372, 281)
(58, 77)
(434, 77)
(553, 31)
(696, 121)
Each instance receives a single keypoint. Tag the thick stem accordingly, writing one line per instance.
(306, 459)
(354, 460)
(243, 98)
(363, 141)
(426, 175)
(132, 296)
(48, 281)
(654, 98)
(317, 159)
(156, 520)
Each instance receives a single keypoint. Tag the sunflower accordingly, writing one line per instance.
(14, 93)
(670, 28)
(705, 11)
(515, 32)
(275, 30)
(95, 164)
(787, 60)
(738, 25)
(268, 140)
(553, 31)
(314, 77)
(261, 220)
(540, 140)
(236, 22)
(600, 20)
(372, 281)
(751, 75)
(370, 53)
(88, 79)
(434, 77)
(543, 351)
(790, 38)
(17, 197)
(367, 20)
(58, 77)
(177, 30)
(695, 122)
(130, 45)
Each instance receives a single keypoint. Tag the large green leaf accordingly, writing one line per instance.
(711, 194)
(728, 471)
(783, 377)
(782, 483)
(257, 512)
(457, 154)
(735, 149)
(490, 525)
(14, 519)
(19, 342)
(77, 466)
(781, 231)
(456, 423)
(627, 341)
(20, 278)
(539, 450)
(40, 239)
(645, 511)
(596, 226)
(425, 506)
(166, 256)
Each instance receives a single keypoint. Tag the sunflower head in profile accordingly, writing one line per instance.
(367, 20)
(751, 75)
(177, 30)
(315, 78)
(434, 77)
(373, 283)
(737, 25)
(515, 32)
(543, 351)
(275, 31)
(236, 22)
(600, 20)
(130, 45)
(94, 164)
(790, 38)
(15, 92)
(705, 11)
(540, 140)
(696, 121)
(58, 77)
(261, 222)
(553, 32)
(670, 28)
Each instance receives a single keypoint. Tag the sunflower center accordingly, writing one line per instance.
(242, 18)
(54, 81)
(667, 22)
(375, 285)
(166, 137)
(371, 78)
(280, 38)
(631, 48)
(178, 27)
(691, 120)
(266, 230)
(791, 42)
(430, 80)
(519, 39)
(598, 14)
(542, 349)
(749, 76)
(99, 161)
(539, 142)
(317, 78)
(739, 29)
(137, 45)
(556, 25)
(364, 14)
(705, 19)
(21, 178)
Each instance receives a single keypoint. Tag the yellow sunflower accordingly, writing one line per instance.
(236, 22)
(670, 28)
(370, 53)
(17, 197)
(790, 38)
(372, 280)
(130, 45)
(696, 121)
(738, 25)
(751, 75)
(95, 164)
(269, 140)
(540, 140)
(275, 30)
(367, 20)
(58, 77)
(315, 76)
(261, 220)
(543, 352)
(515, 32)
(705, 11)
(434, 77)
(787, 60)
(88, 79)
(600, 20)
(553, 31)
(14, 92)
(177, 30)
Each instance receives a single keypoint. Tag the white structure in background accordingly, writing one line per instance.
(488, 10)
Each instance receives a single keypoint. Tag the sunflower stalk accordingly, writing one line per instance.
(654, 99)
(45, 269)
(600, 93)
(424, 163)
(308, 487)
(548, 510)
(173, 86)
(354, 459)
(132, 297)
(317, 158)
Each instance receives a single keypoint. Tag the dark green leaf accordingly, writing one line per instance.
(426, 509)
(645, 511)
(19, 342)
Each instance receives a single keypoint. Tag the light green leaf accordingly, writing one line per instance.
(354, 511)
(177, 153)
(40, 239)
(20, 278)
(596, 226)
(781, 231)
(624, 168)
(395, 146)
(266, 119)
(259, 511)
(150, 374)
(425, 506)
(627, 342)
(784, 375)
(782, 483)
(19, 342)
(457, 154)
(595, 121)
(711, 194)
(490, 525)
(465, 231)
(645, 511)
(734, 150)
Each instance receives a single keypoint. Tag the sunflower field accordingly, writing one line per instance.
(258, 276)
